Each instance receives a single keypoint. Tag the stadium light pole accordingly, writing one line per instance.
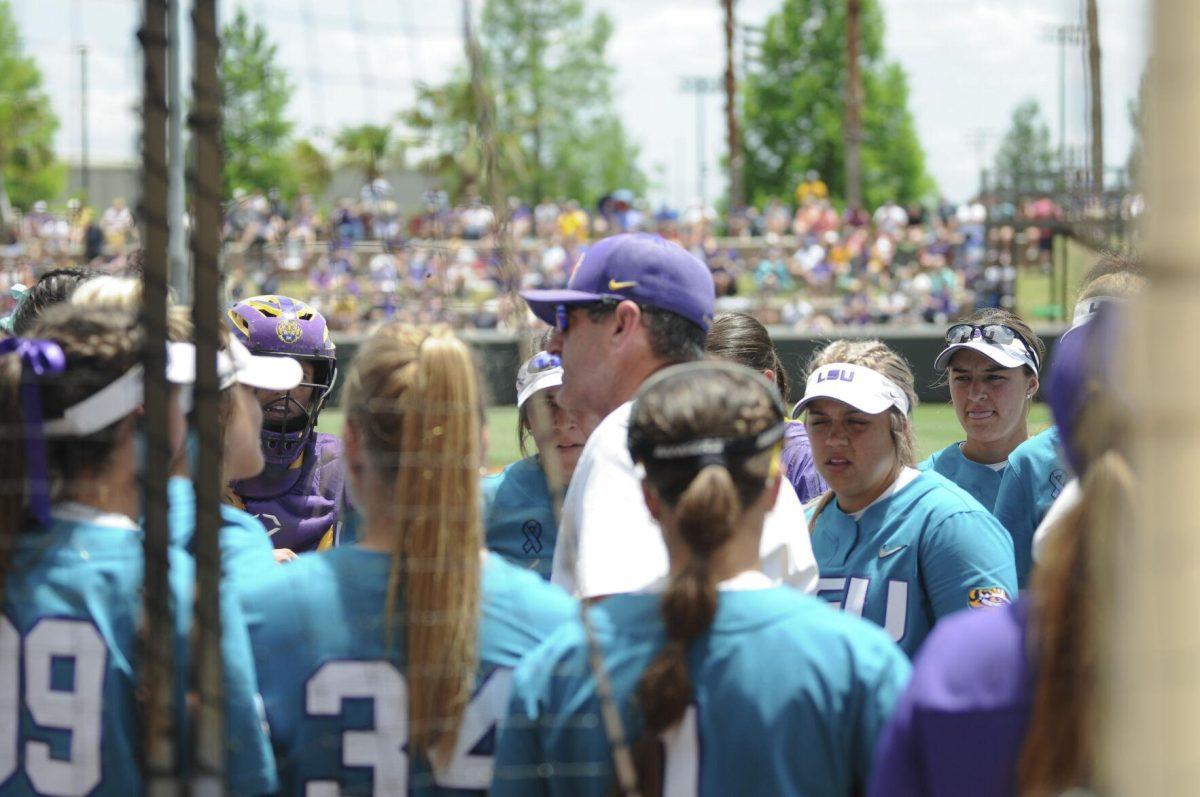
(1062, 35)
(85, 165)
(701, 86)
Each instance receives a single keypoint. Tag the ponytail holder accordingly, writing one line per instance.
(38, 358)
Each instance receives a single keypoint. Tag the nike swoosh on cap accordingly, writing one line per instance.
(613, 285)
(884, 553)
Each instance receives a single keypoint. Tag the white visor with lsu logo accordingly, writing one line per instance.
(864, 389)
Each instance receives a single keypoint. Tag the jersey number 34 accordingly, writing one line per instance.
(383, 747)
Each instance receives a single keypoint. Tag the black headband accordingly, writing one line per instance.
(708, 450)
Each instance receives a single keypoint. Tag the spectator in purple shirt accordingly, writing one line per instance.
(740, 338)
(1004, 702)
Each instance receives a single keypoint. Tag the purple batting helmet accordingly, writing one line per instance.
(288, 327)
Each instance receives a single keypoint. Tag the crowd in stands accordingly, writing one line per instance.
(802, 264)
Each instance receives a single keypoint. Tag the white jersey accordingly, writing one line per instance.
(608, 543)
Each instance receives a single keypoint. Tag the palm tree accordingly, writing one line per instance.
(366, 148)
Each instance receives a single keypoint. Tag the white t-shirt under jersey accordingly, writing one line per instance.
(608, 543)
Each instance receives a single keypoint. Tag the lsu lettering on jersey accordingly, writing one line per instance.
(980, 481)
(1034, 478)
(336, 701)
(914, 556)
(69, 663)
(789, 698)
(519, 516)
(245, 547)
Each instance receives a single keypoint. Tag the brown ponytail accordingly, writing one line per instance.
(707, 500)
(741, 338)
(412, 394)
(1072, 608)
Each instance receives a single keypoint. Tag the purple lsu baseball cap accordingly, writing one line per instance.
(641, 267)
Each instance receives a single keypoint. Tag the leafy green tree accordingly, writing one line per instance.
(312, 167)
(255, 92)
(557, 132)
(1025, 160)
(367, 148)
(793, 106)
(443, 120)
(28, 168)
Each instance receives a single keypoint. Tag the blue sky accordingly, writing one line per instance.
(969, 62)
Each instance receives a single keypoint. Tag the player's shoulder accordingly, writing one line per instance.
(1041, 448)
(516, 483)
(314, 576)
(520, 609)
(939, 497)
(939, 460)
(803, 623)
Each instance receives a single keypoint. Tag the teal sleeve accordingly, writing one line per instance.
(1015, 510)
(883, 682)
(274, 630)
(181, 510)
(927, 464)
(251, 763)
(246, 550)
(967, 551)
(519, 752)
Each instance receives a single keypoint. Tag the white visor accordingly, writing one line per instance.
(1007, 355)
(530, 380)
(862, 388)
(117, 399)
(1087, 308)
(237, 364)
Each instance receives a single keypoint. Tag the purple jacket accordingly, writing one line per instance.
(798, 463)
(298, 505)
(960, 725)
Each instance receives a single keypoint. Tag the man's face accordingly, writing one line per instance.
(277, 411)
(583, 348)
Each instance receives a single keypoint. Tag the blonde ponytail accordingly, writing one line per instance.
(413, 395)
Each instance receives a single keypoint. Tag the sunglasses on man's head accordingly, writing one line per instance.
(1000, 334)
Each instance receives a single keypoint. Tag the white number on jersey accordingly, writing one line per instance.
(76, 710)
(385, 749)
(896, 615)
(471, 765)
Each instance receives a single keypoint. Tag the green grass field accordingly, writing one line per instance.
(936, 428)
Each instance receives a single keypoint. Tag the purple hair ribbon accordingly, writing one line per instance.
(38, 358)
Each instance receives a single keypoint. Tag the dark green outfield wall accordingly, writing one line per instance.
(496, 353)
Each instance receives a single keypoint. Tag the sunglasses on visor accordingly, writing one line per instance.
(1000, 334)
(544, 362)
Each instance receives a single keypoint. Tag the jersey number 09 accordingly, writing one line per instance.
(75, 709)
